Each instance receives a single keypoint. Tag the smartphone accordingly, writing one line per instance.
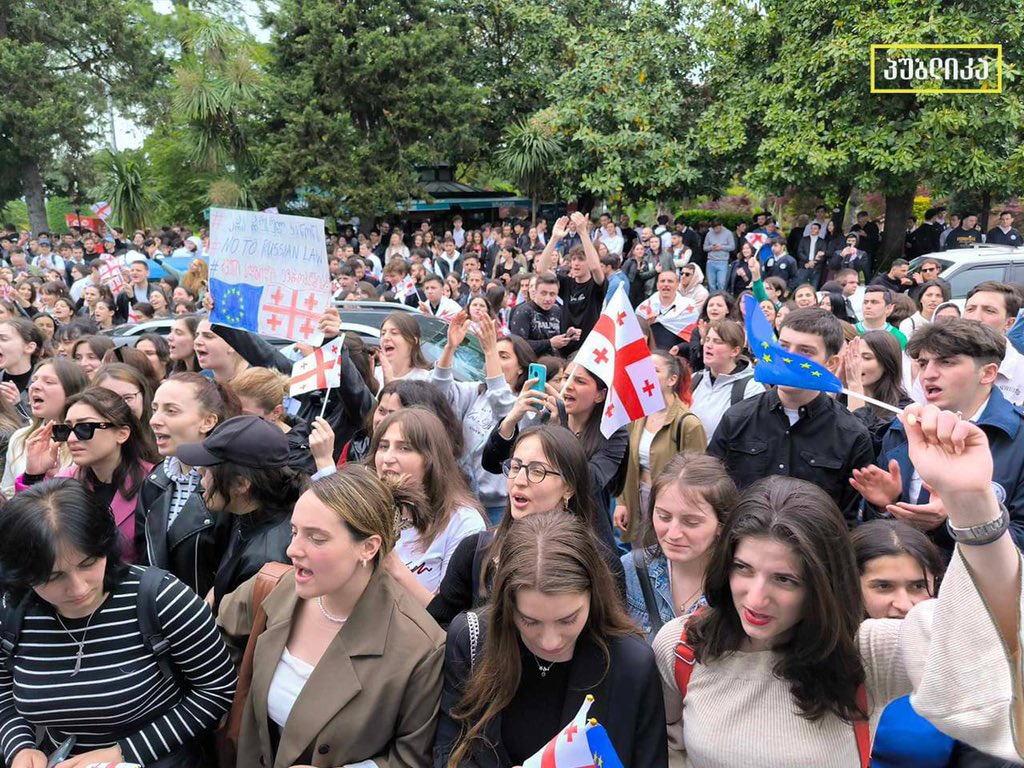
(540, 373)
(62, 753)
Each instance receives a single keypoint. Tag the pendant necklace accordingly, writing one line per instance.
(81, 645)
(541, 668)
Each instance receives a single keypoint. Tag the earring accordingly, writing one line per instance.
(363, 563)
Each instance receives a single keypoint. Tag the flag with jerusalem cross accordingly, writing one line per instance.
(616, 352)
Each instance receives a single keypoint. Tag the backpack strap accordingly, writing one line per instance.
(862, 728)
(685, 660)
(644, 577)
(149, 624)
(739, 391)
(11, 619)
(473, 620)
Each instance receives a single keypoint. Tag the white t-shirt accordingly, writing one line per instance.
(430, 566)
(285, 686)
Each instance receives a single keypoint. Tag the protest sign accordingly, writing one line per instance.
(268, 273)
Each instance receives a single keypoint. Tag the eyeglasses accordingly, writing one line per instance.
(535, 471)
(929, 269)
(84, 430)
(130, 397)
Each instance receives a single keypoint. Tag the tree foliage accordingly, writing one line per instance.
(530, 152)
(364, 92)
(128, 187)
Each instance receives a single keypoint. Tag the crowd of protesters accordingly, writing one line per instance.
(752, 575)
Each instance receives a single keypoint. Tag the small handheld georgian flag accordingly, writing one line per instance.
(320, 370)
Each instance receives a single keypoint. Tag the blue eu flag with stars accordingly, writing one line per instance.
(601, 748)
(774, 365)
(236, 304)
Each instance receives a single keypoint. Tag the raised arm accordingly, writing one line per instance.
(543, 262)
(593, 260)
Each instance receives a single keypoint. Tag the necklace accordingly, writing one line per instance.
(540, 667)
(81, 645)
(327, 615)
(685, 606)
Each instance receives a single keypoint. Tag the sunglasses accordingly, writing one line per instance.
(84, 430)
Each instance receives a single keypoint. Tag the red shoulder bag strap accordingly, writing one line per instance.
(686, 658)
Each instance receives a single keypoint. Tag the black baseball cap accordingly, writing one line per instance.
(246, 440)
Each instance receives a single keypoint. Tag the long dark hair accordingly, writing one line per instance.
(889, 387)
(820, 661)
(37, 520)
(892, 538)
(130, 472)
(591, 436)
(192, 364)
(552, 553)
(409, 330)
(524, 356)
(565, 453)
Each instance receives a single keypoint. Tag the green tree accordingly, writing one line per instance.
(128, 187)
(59, 64)
(792, 86)
(364, 92)
(529, 153)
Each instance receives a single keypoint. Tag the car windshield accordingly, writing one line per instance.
(469, 357)
(915, 265)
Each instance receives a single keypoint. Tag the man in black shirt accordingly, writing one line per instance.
(965, 235)
(582, 290)
(895, 279)
(539, 321)
(1004, 234)
(798, 432)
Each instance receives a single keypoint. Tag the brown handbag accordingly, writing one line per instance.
(227, 735)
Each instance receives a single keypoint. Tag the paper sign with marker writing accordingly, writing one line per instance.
(269, 274)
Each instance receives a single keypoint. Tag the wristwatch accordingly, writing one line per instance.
(986, 533)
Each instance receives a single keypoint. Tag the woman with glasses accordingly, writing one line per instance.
(52, 383)
(548, 470)
(132, 386)
(110, 451)
(413, 443)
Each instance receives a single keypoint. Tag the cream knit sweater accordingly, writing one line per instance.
(947, 652)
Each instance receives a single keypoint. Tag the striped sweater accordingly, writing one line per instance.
(119, 695)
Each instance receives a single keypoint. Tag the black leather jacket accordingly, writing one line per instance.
(195, 543)
(257, 538)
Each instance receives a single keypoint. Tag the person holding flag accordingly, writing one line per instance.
(672, 317)
(553, 636)
(795, 429)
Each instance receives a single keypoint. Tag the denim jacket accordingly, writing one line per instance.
(657, 567)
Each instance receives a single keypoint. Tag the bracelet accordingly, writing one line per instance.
(986, 533)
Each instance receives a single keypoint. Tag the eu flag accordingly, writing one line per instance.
(601, 748)
(777, 366)
(236, 304)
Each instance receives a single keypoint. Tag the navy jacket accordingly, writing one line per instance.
(1001, 422)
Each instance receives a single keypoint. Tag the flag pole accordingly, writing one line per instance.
(327, 396)
(568, 378)
(872, 400)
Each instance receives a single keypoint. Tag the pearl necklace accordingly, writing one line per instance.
(327, 615)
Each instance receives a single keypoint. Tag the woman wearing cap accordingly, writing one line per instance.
(243, 467)
(110, 451)
(348, 670)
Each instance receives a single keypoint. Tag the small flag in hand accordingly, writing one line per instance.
(756, 239)
(101, 209)
(777, 366)
(616, 352)
(320, 370)
(581, 744)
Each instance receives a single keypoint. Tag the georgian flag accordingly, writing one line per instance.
(616, 352)
(569, 748)
(680, 318)
(406, 288)
(101, 209)
(756, 239)
(320, 370)
(111, 275)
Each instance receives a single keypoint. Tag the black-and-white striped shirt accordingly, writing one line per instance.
(119, 695)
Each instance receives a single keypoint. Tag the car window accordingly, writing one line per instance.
(963, 280)
(1017, 273)
(469, 357)
(915, 264)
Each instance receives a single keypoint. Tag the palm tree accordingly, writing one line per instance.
(530, 148)
(126, 183)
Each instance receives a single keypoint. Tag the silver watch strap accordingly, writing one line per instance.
(986, 533)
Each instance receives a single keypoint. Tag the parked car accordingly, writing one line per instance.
(964, 268)
(363, 318)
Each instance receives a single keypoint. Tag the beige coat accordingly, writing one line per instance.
(682, 432)
(374, 695)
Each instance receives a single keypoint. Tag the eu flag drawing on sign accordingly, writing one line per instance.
(777, 366)
(236, 304)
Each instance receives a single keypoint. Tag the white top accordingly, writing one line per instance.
(1010, 378)
(285, 686)
(910, 324)
(646, 438)
(430, 566)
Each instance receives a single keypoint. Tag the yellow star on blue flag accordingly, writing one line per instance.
(601, 748)
(776, 365)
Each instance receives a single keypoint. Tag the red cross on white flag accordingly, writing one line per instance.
(293, 314)
(321, 370)
(111, 275)
(569, 748)
(756, 239)
(616, 352)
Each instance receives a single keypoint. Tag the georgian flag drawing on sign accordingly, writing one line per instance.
(616, 352)
(680, 318)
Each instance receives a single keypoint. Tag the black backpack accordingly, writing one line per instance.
(13, 615)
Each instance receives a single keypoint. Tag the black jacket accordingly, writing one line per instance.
(536, 327)
(193, 546)
(626, 690)
(754, 439)
(257, 538)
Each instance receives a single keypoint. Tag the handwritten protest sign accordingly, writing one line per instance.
(268, 273)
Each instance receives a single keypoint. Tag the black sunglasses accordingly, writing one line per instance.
(84, 430)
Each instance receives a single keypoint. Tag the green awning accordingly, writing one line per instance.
(466, 204)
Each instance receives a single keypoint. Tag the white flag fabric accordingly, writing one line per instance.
(680, 317)
(320, 370)
(570, 748)
(616, 352)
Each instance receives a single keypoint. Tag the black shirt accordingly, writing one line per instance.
(962, 238)
(536, 327)
(824, 446)
(534, 715)
(581, 303)
(893, 284)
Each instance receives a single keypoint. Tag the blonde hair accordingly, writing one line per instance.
(268, 388)
(193, 283)
(367, 505)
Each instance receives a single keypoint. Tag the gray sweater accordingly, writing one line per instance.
(725, 239)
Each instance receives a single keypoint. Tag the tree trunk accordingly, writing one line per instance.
(35, 197)
(898, 208)
(986, 210)
(533, 209)
(839, 209)
(854, 202)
